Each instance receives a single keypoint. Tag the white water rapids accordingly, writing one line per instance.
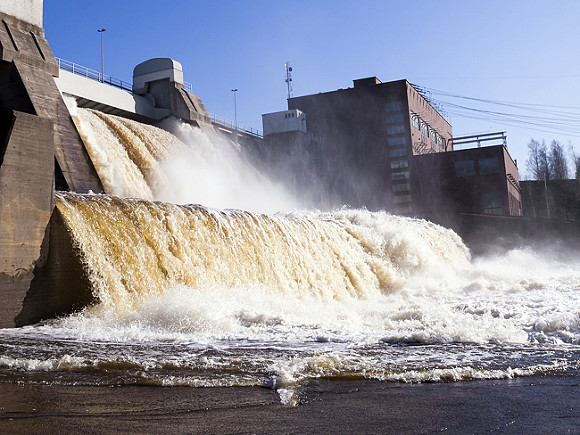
(200, 296)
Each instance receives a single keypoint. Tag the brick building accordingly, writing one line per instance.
(478, 180)
(362, 144)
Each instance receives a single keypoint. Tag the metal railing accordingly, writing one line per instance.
(221, 121)
(104, 78)
(93, 74)
(497, 138)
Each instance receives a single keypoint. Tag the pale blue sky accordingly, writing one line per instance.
(514, 51)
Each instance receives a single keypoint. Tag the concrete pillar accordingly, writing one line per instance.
(26, 187)
(161, 81)
(33, 123)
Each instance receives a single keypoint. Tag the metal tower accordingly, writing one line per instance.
(289, 79)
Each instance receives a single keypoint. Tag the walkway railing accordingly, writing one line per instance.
(218, 120)
(126, 86)
(100, 77)
(93, 74)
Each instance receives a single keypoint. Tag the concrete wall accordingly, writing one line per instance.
(26, 184)
(36, 134)
(513, 185)
(29, 11)
(60, 284)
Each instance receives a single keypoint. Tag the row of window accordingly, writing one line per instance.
(396, 106)
(394, 118)
(398, 164)
(394, 141)
(398, 152)
(400, 180)
(400, 199)
(403, 209)
(396, 129)
(401, 187)
(466, 168)
(427, 130)
(400, 176)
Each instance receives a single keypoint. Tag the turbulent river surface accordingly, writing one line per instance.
(200, 296)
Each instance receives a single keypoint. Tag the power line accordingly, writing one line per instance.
(538, 117)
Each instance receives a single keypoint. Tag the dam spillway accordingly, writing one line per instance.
(53, 140)
(157, 254)
(191, 296)
(134, 248)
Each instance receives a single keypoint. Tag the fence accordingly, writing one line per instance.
(93, 74)
(126, 86)
(218, 120)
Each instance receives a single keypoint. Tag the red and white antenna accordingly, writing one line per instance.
(289, 79)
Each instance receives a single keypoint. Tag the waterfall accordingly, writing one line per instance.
(133, 248)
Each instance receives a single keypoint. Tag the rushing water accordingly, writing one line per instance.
(191, 295)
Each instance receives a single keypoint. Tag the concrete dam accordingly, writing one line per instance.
(42, 151)
(68, 133)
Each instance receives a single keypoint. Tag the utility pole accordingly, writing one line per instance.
(102, 57)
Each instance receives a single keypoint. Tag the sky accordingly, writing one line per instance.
(525, 53)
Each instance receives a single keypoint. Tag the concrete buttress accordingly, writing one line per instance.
(35, 132)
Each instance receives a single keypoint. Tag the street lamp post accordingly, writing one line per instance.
(235, 107)
(102, 57)
(236, 113)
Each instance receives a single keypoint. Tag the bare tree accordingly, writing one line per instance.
(575, 161)
(537, 162)
(557, 162)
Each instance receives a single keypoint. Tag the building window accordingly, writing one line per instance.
(464, 168)
(394, 107)
(488, 166)
(403, 209)
(393, 141)
(399, 152)
(440, 141)
(416, 121)
(433, 135)
(402, 199)
(492, 203)
(396, 129)
(401, 187)
(397, 164)
(400, 176)
(394, 118)
(424, 128)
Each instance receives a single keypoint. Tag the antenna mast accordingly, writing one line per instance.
(289, 79)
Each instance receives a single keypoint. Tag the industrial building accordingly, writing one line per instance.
(384, 146)
(477, 180)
